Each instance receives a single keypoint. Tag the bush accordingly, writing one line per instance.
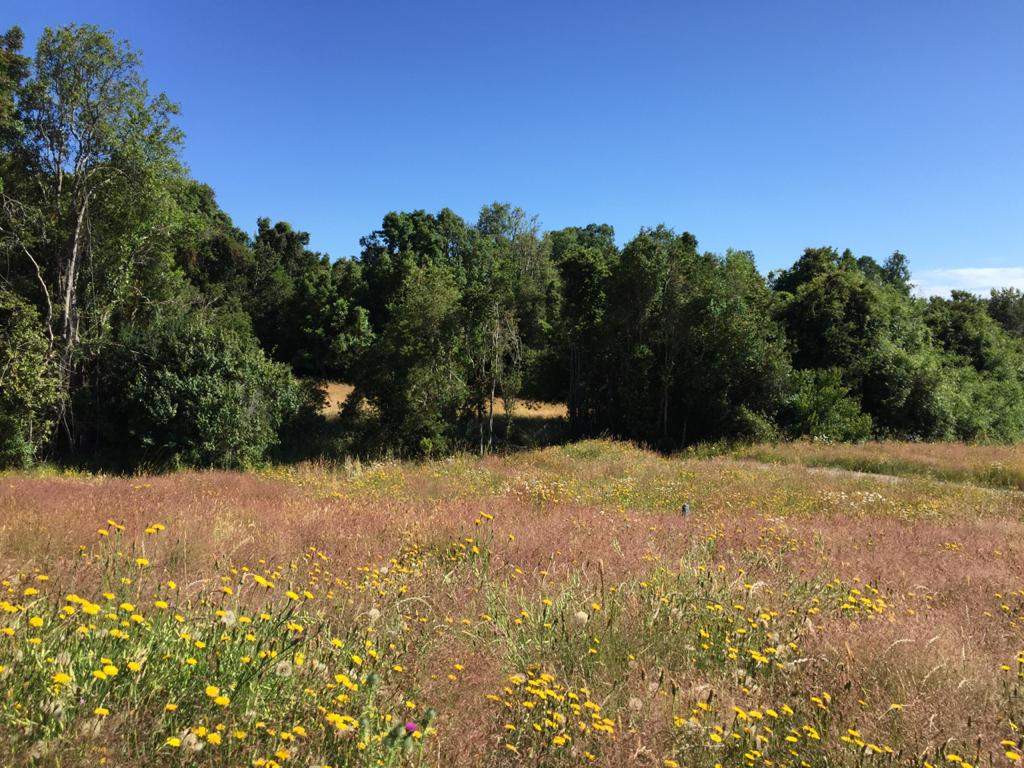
(821, 406)
(28, 385)
(193, 393)
(985, 407)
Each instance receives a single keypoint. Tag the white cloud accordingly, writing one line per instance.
(980, 280)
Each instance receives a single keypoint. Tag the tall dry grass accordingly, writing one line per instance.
(999, 466)
(554, 607)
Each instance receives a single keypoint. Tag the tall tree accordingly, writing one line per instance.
(585, 258)
(842, 315)
(693, 352)
(94, 155)
(14, 69)
(1006, 305)
(509, 283)
(302, 307)
(414, 374)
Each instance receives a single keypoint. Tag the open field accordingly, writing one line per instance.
(546, 608)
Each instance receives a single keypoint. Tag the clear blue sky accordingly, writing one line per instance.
(768, 126)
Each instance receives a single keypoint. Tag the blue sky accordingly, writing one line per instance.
(767, 126)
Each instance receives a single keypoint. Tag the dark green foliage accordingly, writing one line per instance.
(985, 407)
(140, 327)
(687, 348)
(97, 210)
(189, 393)
(1007, 308)
(14, 69)
(984, 368)
(963, 327)
(665, 344)
(933, 370)
(28, 384)
(460, 316)
(821, 406)
(584, 258)
(837, 314)
(413, 376)
(301, 305)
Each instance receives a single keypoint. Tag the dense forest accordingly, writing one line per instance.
(141, 328)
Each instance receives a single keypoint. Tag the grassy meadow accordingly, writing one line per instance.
(545, 608)
(999, 466)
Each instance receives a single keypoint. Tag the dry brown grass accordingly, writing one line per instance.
(593, 523)
(338, 393)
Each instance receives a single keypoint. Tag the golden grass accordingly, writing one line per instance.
(545, 608)
(338, 392)
(994, 465)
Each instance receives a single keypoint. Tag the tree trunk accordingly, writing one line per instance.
(70, 318)
(490, 416)
(573, 409)
(70, 324)
(480, 424)
(665, 384)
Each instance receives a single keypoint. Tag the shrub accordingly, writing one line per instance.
(28, 385)
(985, 407)
(192, 393)
(821, 406)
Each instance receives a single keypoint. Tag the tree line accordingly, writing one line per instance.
(139, 327)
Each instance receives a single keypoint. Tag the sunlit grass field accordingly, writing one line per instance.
(546, 608)
(999, 466)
